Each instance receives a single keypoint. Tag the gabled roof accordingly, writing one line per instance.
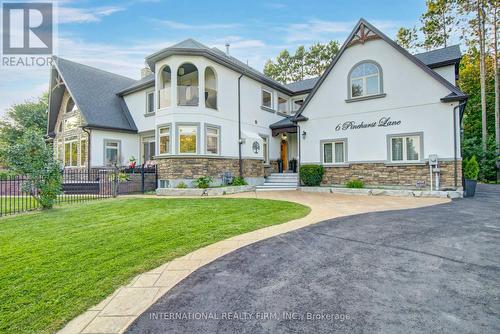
(455, 93)
(94, 92)
(441, 57)
(192, 47)
(302, 85)
(147, 81)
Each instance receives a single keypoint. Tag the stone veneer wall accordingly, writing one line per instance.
(380, 174)
(195, 167)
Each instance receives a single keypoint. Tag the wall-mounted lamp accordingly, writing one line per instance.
(304, 133)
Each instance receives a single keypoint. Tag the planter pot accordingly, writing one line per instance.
(280, 166)
(470, 188)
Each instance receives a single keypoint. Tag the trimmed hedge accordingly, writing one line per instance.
(355, 184)
(311, 175)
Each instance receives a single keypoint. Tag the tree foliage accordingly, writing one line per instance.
(32, 157)
(408, 38)
(20, 118)
(303, 63)
(437, 23)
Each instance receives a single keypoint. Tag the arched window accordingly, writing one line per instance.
(365, 79)
(70, 105)
(210, 88)
(187, 85)
(165, 84)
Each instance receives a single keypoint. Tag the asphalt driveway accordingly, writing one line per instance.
(425, 270)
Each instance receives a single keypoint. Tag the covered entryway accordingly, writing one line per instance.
(286, 131)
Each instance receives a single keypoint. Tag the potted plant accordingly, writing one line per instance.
(293, 165)
(131, 163)
(471, 171)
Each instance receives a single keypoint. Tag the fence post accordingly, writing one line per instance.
(142, 178)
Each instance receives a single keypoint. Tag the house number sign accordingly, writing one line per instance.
(352, 125)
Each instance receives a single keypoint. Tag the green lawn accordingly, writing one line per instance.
(10, 204)
(56, 264)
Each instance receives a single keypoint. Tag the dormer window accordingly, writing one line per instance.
(365, 79)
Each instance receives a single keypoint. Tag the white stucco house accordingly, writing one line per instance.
(378, 114)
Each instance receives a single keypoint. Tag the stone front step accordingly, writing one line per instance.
(267, 188)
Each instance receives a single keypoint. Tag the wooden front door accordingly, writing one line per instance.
(284, 154)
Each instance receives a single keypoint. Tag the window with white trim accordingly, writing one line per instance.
(111, 152)
(148, 149)
(267, 99)
(212, 140)
(71, 152)
(282, 105)
(265, 150)
(405, 148)
(188, 139)
(164, 138)
(333, 152)
(365, 80)
(150, 103)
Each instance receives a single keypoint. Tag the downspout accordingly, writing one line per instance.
(84, 129)
(455, 159)
(240, 142)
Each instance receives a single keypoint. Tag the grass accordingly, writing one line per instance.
(10, 204)
(56, 264)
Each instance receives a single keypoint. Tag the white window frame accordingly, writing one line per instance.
(287, 103)
(83, 159)
(147, 139)
(217, 136)
(420, 148)
(343, 141)
(262, 98)
(169, 135)
(350, 79)
(148, 106)
(178, 137)
(265, 148)
(73, 141)
(118, 152)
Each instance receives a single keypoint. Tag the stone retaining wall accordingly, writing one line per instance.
(195, 167)
(381, 174)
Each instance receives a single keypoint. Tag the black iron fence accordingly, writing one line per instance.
(78, 185)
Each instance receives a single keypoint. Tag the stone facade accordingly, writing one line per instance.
(194, 167)
(380, 174)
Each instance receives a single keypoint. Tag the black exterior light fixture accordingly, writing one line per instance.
(304, 133)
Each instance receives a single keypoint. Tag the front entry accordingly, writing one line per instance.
(284, 154)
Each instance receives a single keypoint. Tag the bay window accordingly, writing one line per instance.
(212, 140)
(187, 143)
(164, 138)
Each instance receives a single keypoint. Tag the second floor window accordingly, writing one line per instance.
(282, 105)
(296, 104)
(164, 91)
(267, 99)
(150, 103)
(365, 80)
(187, 85)
(210, 88)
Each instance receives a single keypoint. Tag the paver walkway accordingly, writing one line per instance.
(116, 313)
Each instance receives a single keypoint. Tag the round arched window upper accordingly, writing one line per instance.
(365, 79)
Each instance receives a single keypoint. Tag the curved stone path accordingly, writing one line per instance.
(120, 309)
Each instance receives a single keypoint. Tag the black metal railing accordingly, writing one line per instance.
(78, 185)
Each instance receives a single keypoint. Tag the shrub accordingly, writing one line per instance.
(203, 182)
(181, 185)
(239, 181)
(471, 168)
(355, 184)
(311, 175)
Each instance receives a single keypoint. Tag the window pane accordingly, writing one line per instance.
(187, 139)
(372, 85)
(412, 148)
(282, 105)
(265, 151)
(164, 144)
(150, 102)
(397, 149)
(266, 99)
(327, 153)
(83, 152)
(67, 154)
(164, 131)
(111, 155)
(339, 152)
(212, 131)
(297, 104)
(74, 154)
(212, 143)
(357, 87)
(369, 68)
(358, 72)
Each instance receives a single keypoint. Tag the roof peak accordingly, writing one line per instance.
(57, 58)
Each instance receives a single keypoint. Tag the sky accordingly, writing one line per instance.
(117, 35)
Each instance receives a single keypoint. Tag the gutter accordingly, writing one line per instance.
(459, 107)
(88, 131)
(240, 141)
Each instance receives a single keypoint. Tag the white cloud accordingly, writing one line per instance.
(185, 26)
(85, 15)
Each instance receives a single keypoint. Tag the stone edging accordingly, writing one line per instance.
(220, 191)
(385, 192)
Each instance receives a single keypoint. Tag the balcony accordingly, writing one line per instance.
(187, 95)
(165, 98)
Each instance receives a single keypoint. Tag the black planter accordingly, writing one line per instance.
(470, 188)
(293, 165)
(280, 166)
